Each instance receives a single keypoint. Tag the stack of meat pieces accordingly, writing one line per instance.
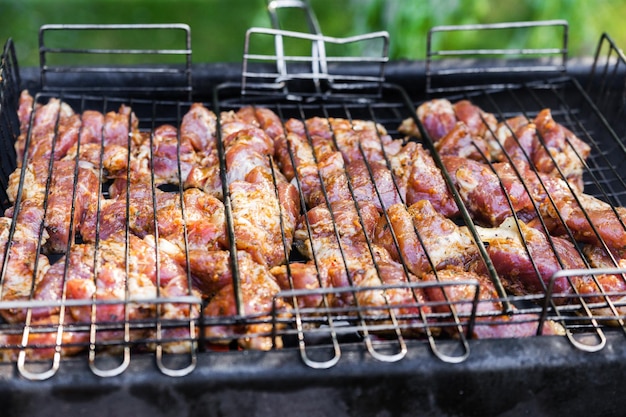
(95, 218)
(521, 180)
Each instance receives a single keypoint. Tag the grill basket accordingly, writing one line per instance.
(591, 106)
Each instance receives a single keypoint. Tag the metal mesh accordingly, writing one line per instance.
(321, 332)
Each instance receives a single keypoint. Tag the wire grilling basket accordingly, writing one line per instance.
(381, 303)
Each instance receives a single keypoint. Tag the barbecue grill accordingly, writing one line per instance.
(349, 359)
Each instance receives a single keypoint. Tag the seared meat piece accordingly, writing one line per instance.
(425, 239)
(602, 288)
(26, 105)
(350, 262)
(261, 216)
(480, 189)
(128, 272)
(332, 171)
(120, 127)
(169, 155)
(57, 144)
(458, 291)
(437, 117)
(342, 218)
(114, 158)
(199, 127)
(461, 142)
(374, 182)
(42, 345)
(589, 219)
(172, 160)
(546, 145)
(440, 116)
(246, 149)
(91, 128)
(517, 137)
(62, 200)
(295, 157)
(559, 151)
(258, 289)
(203, 219)
(23, 265)
(479, 123)
(263, 118)
(360, 139)
(424, 180)
(42, 130)
(303, 276)
(405, 302)
(512, 245)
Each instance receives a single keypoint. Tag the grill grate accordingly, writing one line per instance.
(359, 311)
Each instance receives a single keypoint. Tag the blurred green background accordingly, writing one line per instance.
(218, 26)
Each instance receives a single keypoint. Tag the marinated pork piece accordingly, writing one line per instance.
(423, 239)
(602, 288)
(295, 156)
(375, 182)
(559, 152)
(19, 257)
(66, 200)
(42, 345)
(120, 127)
(457, 293)
(517, 137)
(362, 140)
(199, 127)
(303, 276)
(26, 105)
(348, 262)
(112, 158)
(91, 127)
(262, 218)
(480, 189)
(424, 180)
(589, 219)
(331, 169)
(44, 123)
(201, 225)
(172, 158)
(258, 290)
(341, 219)
(246, 149)
(263, 118)
(439, 117)
(126, 271)
(65, 136)
(480, 123)
(461, 142)
(545, 145)
(525, 259)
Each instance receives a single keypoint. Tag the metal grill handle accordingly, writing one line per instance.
(138, 78)
(451, 69)
(320, 74)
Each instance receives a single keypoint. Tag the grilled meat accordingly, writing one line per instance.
(377, 227)
(423, 239)
(458, 295)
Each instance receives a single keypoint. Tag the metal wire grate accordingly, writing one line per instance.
(343, 314)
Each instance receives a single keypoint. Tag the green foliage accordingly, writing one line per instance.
(219, 26)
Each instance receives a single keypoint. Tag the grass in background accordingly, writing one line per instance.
(218, 26)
